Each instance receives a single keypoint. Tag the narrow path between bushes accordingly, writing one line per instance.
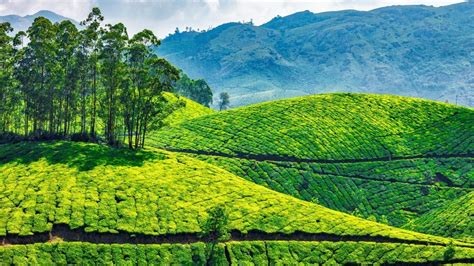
(63, 232)
(280, 158)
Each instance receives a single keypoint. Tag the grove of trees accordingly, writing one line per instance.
(196, 90)
(58, 81)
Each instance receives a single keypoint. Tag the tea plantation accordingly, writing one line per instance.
(454, 219)
(386, 158)
(293, 178)
(188, 111)
(241, 253)
(101, 190)
(394, 192)
(330, 127)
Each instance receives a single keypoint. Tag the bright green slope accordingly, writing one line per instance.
(331, 127)
(238, 253)
(455, 219)
(103, 190)
(343, 127)
(190, 110)
(155, 192)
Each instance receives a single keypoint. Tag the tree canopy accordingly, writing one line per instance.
(58, 81)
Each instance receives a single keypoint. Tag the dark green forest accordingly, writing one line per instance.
(58, 81)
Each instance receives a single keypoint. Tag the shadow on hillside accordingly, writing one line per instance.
(82, 156)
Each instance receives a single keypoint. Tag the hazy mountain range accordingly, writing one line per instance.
(417, 51)
(20, 23)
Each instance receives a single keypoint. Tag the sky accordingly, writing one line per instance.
(164, 16)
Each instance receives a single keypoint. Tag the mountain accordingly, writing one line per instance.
(388, 158)
(22, 23)
(76, 203)
(419, 51)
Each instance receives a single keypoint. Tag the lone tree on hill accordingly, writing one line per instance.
(216, 229)
(223, 101)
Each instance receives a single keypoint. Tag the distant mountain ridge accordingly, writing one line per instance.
(21, 23)
(418, 51)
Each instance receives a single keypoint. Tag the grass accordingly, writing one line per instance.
(241, 253)
(168, 194)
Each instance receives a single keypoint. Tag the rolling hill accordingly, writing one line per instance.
(388, 158)
(128, 207)
(453, 219)
(188, 111)
(419, 51)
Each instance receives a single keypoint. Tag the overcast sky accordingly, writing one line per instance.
(163, 16)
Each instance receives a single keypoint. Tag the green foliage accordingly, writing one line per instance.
(453, 219)
(223, 101)
(196, 90)
(330, 127)
(163, 194)
(216, 225)
(190, 110)
(392, 192)
(449, 252)
(82, 84)
(353, 152)
(240, 253)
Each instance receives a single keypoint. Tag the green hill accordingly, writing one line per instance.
(390, 157)
(190, 110)
(92, 193)
(453, 219)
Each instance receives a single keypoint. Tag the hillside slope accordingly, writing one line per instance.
(190, 110)
(151, 192)
(453, 219)
(119, 205)
(387, 158)
(331, 128)
(416, 51)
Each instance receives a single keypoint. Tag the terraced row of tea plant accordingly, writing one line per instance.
(188, 111)
(391, 192)
(455, 219)
(99, 189)
(387, 158)
(330, 127)
(239, 253)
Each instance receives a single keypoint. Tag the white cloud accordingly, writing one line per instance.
(163, 16)
(75, 9)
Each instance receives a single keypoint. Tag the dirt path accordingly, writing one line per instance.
(79, 235)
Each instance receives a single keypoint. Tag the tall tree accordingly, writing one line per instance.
(91, 38)
(58, 82)
(67, 48)
(8, 98)
(196, 90)
(223, 101)
(40, 53)
(113, 69)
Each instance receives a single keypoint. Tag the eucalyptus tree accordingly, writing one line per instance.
(8, 99)
(114, 41)
(91, 36)
(69, 58)
(39, 55)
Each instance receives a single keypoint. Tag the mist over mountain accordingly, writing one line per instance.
(419, 51)
(20, 23)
